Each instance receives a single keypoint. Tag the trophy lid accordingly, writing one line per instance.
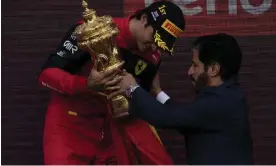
(94, 28)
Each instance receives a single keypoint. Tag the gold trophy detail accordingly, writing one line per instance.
(97, 36)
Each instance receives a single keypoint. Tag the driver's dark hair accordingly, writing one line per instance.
(147, 11)
(138, 15)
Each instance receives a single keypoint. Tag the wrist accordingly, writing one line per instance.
(156, 91)
(130, 89)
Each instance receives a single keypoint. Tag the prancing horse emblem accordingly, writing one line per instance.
(140, 66)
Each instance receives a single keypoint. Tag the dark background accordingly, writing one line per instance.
(31, 29)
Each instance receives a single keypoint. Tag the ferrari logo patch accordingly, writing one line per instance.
(140, 66)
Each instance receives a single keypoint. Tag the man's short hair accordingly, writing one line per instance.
(222, 49)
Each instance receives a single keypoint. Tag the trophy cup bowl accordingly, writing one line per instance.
(97, 36)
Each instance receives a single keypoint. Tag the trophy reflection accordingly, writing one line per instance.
(97, 36)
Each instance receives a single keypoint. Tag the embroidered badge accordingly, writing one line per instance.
(140, 66)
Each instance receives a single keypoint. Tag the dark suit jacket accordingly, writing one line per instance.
(215, 125)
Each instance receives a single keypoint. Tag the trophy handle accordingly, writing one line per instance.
(103, 61)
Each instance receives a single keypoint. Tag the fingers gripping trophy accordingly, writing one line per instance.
(97, 36)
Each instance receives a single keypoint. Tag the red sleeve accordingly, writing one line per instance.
(64, 82)
(60, 70)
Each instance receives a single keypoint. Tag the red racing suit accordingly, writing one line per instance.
(79, 128)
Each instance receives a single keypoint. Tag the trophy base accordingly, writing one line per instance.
(119, 107)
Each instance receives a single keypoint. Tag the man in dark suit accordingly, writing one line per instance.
(215, 124)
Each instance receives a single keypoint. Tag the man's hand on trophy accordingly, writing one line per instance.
(126, 82)
(103, 81)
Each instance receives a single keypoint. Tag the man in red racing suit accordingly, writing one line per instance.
(79, 128)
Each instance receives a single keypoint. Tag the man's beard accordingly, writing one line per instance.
(201, 82)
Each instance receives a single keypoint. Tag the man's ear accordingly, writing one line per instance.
(214, 69)
(144, 19)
